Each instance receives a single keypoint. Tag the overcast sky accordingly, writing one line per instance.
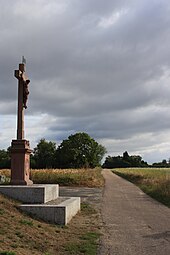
(96, 66)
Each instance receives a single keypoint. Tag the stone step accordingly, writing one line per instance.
(33, 194)
(59, 211)
(43, 201)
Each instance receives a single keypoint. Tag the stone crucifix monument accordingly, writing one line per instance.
(41, 200)
(20, 148)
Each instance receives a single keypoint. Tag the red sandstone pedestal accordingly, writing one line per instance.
(20, 162)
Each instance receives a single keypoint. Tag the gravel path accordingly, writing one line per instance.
(134, 224)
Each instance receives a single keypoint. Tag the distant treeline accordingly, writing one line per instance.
(124, 161)
(78, 151)
(131, 161)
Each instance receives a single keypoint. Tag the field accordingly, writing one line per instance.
(65, 177)
(153, 181)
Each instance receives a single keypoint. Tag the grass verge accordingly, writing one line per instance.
(88, 245)
(154, 182)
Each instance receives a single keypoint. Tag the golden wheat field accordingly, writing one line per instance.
(67, 177)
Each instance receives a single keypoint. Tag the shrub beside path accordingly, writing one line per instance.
(133, 223)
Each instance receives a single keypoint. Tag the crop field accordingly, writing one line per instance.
(153, 181)
(65, 177)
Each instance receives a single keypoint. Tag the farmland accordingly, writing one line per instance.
(66, 177)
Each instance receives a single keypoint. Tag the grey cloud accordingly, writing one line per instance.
(105, 80)
(118, 125)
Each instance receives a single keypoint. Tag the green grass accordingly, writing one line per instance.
(2, 211)
(87, 208)
(26, 222)
(154, 182)
(88, 242)
(87, 247)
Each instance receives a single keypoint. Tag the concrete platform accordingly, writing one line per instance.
(58, 213)
(33, 194)
(44, 202)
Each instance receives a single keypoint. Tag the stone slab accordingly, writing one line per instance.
(34, 194)
(59, 213)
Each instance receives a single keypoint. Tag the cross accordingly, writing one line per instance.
(23, 92)
(20, 148)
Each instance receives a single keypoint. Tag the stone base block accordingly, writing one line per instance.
(20, 162)
(59, 214)
(34, 194)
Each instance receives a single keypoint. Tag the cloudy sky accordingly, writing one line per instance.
(96, 66)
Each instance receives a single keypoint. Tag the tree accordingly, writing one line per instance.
(5, 160)
(79, 150)
(124, 161)
(126, 155)
(164, 163)
(44, 154)
(115, 162)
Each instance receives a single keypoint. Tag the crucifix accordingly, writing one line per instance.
(20, 149)
(23, 92)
